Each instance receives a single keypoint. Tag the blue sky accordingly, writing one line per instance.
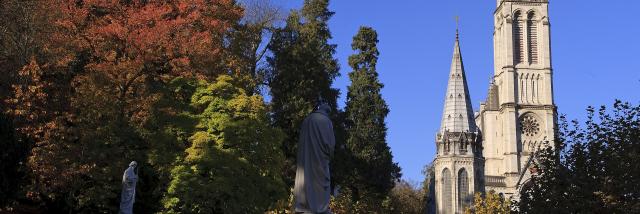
(595, 53)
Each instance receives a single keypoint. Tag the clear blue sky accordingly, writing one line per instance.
(595, 53)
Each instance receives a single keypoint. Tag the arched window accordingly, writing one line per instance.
(518, 43)
(463, 187)
(447, 203)
(532, 39)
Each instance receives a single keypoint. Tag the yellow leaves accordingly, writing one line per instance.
(201, 146)
(491, 203)
(246, 106)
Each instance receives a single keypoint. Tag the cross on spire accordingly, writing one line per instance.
(458, 112)
(457, 27)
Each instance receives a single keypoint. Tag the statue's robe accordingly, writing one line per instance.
(315, 149)
(127, 198)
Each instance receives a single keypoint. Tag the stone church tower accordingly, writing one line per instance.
(519, 114)
(494, 148)
(458, 167)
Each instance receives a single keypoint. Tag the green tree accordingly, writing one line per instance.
(372, 171)
(489, 203)
(233, 162)
(546, 192)
(592, 167)
(303, 68)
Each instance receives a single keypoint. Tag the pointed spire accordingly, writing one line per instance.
(458, 112)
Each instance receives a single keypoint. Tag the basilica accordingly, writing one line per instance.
(494, 147)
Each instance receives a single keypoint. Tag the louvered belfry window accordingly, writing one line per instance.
(532, 32)
(518, 43)
(447, 192)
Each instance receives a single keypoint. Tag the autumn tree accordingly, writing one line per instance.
(489, 203)
(372, 170)
(39, 108)
(134, 44)
(133, 48)
(406, 198)
(23, 25)
(302, 70)
(233, 163)
(106, 64)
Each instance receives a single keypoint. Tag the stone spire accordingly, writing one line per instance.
(458, 112)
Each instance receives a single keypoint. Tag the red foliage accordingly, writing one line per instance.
(105, 53)
(133, 43)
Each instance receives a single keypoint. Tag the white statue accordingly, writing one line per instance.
(128, 196)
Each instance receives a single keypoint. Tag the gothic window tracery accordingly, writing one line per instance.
(529, 125)
(447, 192)
(463, 187)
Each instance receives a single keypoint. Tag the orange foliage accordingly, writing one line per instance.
(40, 113)
(29, 104)
(104, 57)
(134, 44)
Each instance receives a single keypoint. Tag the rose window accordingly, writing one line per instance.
(530, 126)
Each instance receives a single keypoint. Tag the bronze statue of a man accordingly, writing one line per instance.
(315, 149)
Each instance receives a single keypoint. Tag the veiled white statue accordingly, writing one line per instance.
(128, 196)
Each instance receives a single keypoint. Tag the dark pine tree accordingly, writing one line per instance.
(373, 172)
(303, 69)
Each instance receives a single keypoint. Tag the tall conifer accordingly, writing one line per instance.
(374, 173)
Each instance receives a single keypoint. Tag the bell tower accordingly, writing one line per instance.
(519, 115)
(458, 167)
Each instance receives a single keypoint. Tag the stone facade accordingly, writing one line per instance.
(459, 164)
(495, 146)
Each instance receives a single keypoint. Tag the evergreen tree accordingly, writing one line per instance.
(303, 69)
(373, 172)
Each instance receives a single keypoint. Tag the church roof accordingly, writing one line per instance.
(458, 112)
